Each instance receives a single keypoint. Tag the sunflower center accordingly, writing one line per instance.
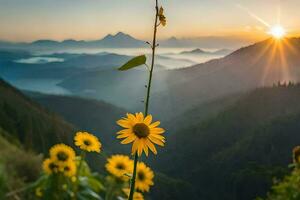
(87, 142)
(67, 168)
(120, 166)
(141, 130)
(52, 166)
(62, 156)
(141, 176)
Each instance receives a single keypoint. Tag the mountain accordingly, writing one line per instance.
(236, 154)
(13, 64)
(48, 43)
(97, 117)
(123, 40)
(195, 51)
(119, 40)
(115, 86)
(201, 52)
(18, 167)
(261, 64)
(223, 51)
(206, 42)
(35, 127)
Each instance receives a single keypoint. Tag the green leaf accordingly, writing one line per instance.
(134, 62)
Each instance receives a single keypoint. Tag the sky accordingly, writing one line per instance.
(28, 20)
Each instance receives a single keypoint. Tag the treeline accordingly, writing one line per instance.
(236, 154)
(32, 125)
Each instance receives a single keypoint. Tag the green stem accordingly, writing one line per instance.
(152, 60)
(132, 185)
(82, 157)
(153, 47)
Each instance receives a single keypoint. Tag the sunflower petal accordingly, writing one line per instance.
(124, 135)
(135, 146)
(140, 148)
(140, 117)
(148, 120)
(131, 116)
(155, 124)
(145, 147)
(124, 131)
(156, 141)
(129, 140)
(151, 146)
(157, 130)
(160, 137)
(124, 123)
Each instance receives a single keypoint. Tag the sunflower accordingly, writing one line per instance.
(136, 195)
(61, 153)
(87, 142)
(141, 132)
(50, 166)
(38, 192)
(119, 165)
(68, 169)
(296, 154)
(144, 177)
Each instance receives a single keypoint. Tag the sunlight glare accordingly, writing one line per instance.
(277, 32)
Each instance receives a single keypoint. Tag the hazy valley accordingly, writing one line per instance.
(230, 106)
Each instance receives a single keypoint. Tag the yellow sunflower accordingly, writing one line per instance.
(136, 195)
(119, 165)
(144, 177)
(141, 132)
(87, 142)
(38, 192)
(50, 166)
(68, 169)
(296, 154)
(61, 153)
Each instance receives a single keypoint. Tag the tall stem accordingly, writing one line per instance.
(82, 157)
(153, 47)
(132, 185)
(152, 60)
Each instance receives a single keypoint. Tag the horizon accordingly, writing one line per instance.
(85, 19)
(137, 38)
(253, 41)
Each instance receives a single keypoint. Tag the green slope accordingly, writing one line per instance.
(90, 115)
(18, 167)
(34, 126)
(235, 154)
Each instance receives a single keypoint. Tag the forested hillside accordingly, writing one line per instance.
(235, 154)
(97, 117)
(35, 127)
(17, 166)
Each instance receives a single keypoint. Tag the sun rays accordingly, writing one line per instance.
(277, 67)
(277, 31)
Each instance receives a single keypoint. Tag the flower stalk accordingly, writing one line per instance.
(153, 47)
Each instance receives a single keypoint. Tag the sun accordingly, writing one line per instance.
(277, 31)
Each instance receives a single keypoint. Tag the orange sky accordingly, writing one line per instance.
(29, 20)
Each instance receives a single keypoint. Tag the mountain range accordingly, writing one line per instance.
(123, 40)
(237, 152)
(201, 52)
(231, 122)
(261, 64)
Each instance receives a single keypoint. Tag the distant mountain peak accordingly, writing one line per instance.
(121, 34)
(194, 51)
(173, 38)
(121, 39)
